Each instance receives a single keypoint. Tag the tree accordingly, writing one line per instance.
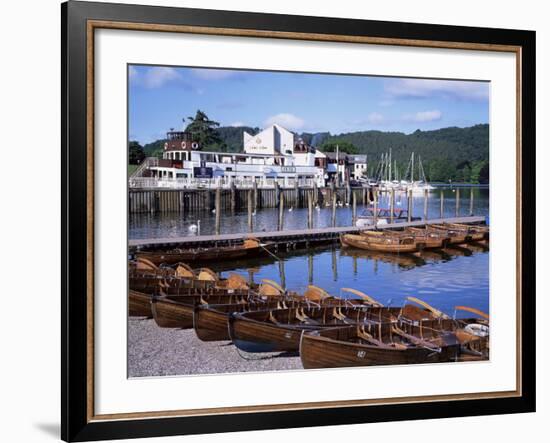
(204, 130)
(348, 148)
(135, 153)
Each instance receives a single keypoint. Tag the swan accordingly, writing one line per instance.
(290, 209)
(193, 228)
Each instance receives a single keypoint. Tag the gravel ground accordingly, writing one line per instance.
(154, 351)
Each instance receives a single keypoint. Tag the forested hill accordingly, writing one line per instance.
(458, 154)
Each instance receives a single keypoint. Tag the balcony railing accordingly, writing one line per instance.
(218, 182)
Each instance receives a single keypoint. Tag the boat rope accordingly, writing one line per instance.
(269, 252)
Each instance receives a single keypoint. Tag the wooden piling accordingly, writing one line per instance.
(392, 204)
(425, 204)
(255, 188)
(282, 273)
(354, 209)
(441, 200)
(309, 210)
(281, 212)
(333, 220)
(375, 201)
(249, 211)
(457, 202)
(218, 209)
(409, 205)
(471, 201)
(232, 192)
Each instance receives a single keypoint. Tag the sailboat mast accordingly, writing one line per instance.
(389, 168)
(412, 167)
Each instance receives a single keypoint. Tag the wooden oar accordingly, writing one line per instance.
(273, 284)
(415, 340)
(363, 296)
(315, 293)
(473, 311)
(433, 310)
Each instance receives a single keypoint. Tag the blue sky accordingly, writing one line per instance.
(159, 97)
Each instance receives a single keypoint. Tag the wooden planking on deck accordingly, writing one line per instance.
(289, 234)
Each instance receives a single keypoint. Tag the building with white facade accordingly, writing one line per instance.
(271, 155)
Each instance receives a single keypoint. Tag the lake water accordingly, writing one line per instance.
(444, 279)
(178, 224)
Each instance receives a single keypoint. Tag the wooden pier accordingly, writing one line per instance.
(163, 200)
(288, 239)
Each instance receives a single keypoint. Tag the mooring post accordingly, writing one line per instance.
(333, 209)
(218, 209)
(425, 204)
(315, 193)
(375, 202)
(409, 205)
(281, 212)
(441, 200)
(392, 204)
(276, 202)
(471, 201)
(364, 196)
(255, 188)
(249, 210)
(282, 273)
(348, 191)
(354, 209)
(309, 210)
(232, 189)
(457, 202)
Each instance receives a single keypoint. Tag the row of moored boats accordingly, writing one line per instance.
(351, 329)
(416, 239)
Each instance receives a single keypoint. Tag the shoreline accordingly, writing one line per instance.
(155, 351)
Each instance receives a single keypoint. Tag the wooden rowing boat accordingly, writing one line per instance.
(427, 239)
(249, 247)
(280, 330)
(139, 304)
(387, 343)
(211, 321)
(408, 340)
(176, 311)
(388, 243)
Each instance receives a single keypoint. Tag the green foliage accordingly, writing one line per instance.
(204, 131)
(131, 169)
(343, 146)
(154, 149)
(135, 153)
(457, 154)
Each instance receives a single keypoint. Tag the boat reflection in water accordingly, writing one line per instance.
(445, 278)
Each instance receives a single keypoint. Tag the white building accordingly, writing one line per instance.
(271, 155)
(272, 140)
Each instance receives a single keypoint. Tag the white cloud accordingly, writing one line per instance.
(156, 77)
(423, 88)
(424, 116)
(375, 118)
(213, 74)
(237, 124)
(288, 121)
(132, 72)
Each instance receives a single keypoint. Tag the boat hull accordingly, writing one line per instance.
(318, 352)
(376, 246)
(139, 304)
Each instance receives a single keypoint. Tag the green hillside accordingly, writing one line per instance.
(458, 154)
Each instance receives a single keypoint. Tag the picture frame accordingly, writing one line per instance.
(80, 20)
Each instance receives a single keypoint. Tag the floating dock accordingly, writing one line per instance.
(287, 238)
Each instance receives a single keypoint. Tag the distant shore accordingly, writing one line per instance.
(154, 351)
